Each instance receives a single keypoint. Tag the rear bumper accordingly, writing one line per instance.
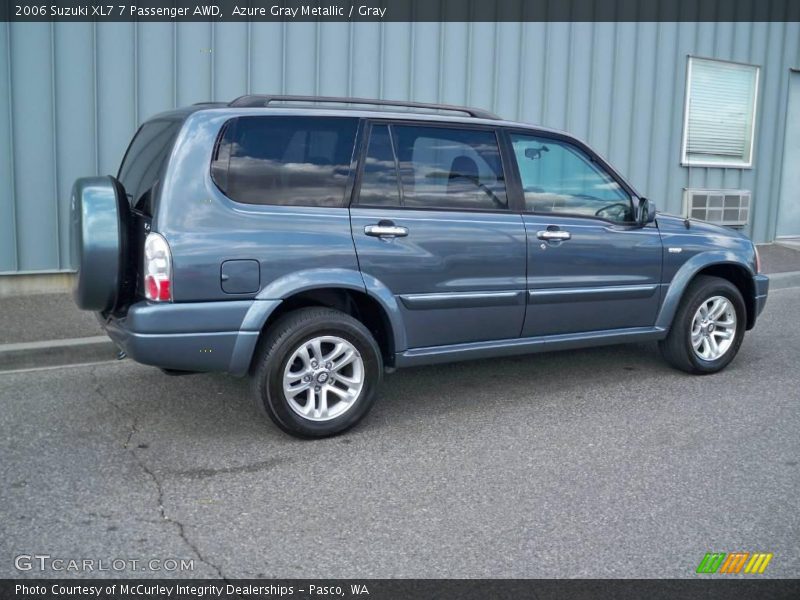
(761, 286)
(197, 336)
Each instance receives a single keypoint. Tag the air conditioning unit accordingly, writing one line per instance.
(723, 207)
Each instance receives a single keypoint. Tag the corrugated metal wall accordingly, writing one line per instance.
(73, 94)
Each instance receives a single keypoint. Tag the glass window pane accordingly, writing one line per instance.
(379, 185)
(559, 178)
(720, 102)
(442, 167)
(146, 158)
(298, 161)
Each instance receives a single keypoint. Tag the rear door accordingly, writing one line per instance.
(591, 267)
(431, 221)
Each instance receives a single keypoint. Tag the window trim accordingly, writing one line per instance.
(510, 204)
(686, 161)
(591, 154)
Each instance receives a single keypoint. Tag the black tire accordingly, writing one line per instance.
(274, 351)
(677, 346)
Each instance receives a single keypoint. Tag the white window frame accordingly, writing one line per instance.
(687, 161)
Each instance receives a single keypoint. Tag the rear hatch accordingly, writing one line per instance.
(140, 174)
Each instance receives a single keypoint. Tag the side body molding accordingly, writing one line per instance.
(685, 274)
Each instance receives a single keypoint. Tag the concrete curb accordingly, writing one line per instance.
(51, 353)
(780, 281)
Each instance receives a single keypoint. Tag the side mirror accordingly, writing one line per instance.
(647, 212)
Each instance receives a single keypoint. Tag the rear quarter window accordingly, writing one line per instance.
(145, 160)
(293, 161)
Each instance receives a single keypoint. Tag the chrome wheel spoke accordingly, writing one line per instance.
(717, 308)
(349, 381)
(703, 310)
(296, 389)
(714, 347)
(345, 359)
(337, 350)
(308, 407)
(322, 410)
(340, 392)
(316, 349)
(293, 378)
(697, 340)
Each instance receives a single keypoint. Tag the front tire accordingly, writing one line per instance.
(316, 373)
(708, 327)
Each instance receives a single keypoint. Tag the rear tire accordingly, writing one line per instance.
(316, 372)
(708, 327)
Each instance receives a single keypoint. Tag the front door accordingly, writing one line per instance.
(590, 266)
(431, 222)
(789, 208)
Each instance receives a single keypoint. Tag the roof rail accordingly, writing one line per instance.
(261, 100)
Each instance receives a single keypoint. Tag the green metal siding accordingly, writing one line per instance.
(73, 94)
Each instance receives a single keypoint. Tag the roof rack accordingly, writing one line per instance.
(260, 100)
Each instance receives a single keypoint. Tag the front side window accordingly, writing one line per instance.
(558, 177)
(442, 167)
(294, 161)
(720, 113)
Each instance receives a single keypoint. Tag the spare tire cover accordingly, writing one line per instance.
(100, 217)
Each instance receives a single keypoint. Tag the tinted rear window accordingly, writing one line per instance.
(295, 161)
(145, 159)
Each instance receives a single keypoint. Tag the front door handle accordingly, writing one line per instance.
(554, 235)
(386, 231)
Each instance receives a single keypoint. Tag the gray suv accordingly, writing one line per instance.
(313, 246)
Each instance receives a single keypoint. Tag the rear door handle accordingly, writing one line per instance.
(389, 231)
(554, 235)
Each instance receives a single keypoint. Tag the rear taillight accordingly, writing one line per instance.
(157, 269)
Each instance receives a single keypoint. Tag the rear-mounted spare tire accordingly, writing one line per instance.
(100, 233)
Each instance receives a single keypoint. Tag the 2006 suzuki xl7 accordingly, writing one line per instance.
(312, 248)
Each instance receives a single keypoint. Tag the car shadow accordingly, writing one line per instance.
(221, 405)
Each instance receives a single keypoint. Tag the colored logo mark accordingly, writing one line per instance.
(720, 562)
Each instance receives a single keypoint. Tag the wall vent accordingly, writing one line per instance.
(723, 207)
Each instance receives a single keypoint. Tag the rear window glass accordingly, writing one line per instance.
(144, 161)
(294, 161)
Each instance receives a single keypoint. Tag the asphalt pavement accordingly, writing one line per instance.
(594, 463)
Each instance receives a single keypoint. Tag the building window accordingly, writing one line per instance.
(720, 113)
